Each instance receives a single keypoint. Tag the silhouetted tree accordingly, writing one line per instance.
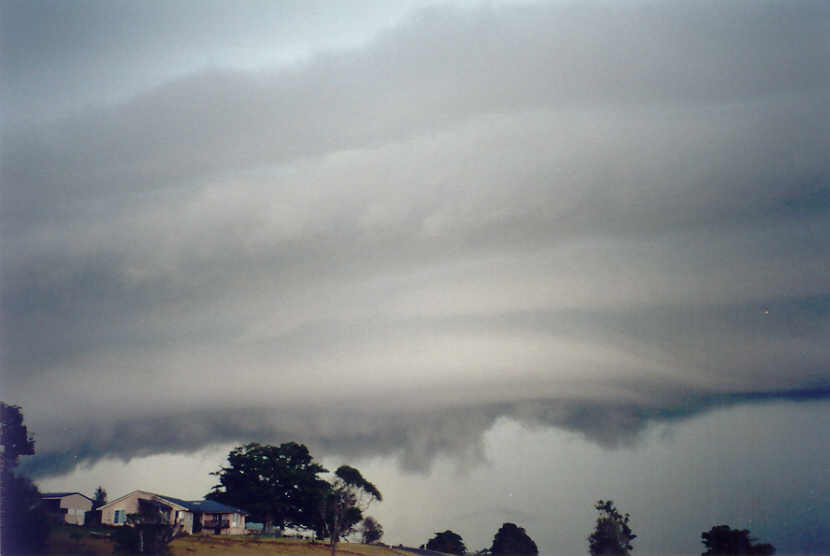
(14, 437)
(512, 539)
(149, 532)
(24, 525)
(448, 542)
(275, 484)
(722, 540)
(372, 530)
(348, 496)
(99, 498)
(611, 536)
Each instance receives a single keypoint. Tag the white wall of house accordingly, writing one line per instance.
(116, 512)
(187, 522)
(236, 522)
(76, 507)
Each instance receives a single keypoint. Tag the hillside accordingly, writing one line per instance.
(198, 545)
(65, 540)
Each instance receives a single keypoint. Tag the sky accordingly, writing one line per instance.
(507, 258)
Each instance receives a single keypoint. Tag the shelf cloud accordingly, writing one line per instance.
(585, 217)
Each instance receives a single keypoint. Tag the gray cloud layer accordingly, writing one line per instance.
(583, 217)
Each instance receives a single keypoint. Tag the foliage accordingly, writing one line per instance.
(448, 542)
(148, 532)
(343, 504)
(352, 477)
(275, 484)
(14, 437)
(25, 525)
(100, 497)
(512, 539)
(372, 531)
(722, 540)
(612, 535)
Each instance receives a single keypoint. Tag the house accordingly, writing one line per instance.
(188, 516)
(70, 507)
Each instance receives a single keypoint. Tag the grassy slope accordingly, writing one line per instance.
(77, 541)
(67, 539)
(199, 545)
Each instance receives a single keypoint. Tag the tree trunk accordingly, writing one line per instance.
(335, 534)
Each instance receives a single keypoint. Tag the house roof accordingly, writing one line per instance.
(108, 504)
(206, 506)
(62, 495)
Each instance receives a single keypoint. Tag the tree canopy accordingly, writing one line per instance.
(99, 498)
(372, 531)
(512, 539)
(14, 436)
(275, 484)
(448, 542)
(722, 540)
(351, 477)
(24, 525)
(612, 535)
(348, 496)
(150, 532)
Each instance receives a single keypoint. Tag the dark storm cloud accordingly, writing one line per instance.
(441, 68)
(591, 218)
(415, 438)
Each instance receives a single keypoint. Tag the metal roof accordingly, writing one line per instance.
(205, 506)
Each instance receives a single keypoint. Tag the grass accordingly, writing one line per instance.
(71, 539)
(202, 545)
(80, 541)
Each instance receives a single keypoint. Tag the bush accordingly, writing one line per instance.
(512, 539)
(142, 539)
(146, 532)
(25, 526)
(448, 542)
(372, 530)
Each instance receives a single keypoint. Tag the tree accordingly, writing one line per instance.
(275, 484)
(612, 536)
(149, 532)
(448, 542)
(99, 498)
(14, 437)
(24, 525)
(722, 540)
(372, 530)
(348, 496)
(512, 539)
